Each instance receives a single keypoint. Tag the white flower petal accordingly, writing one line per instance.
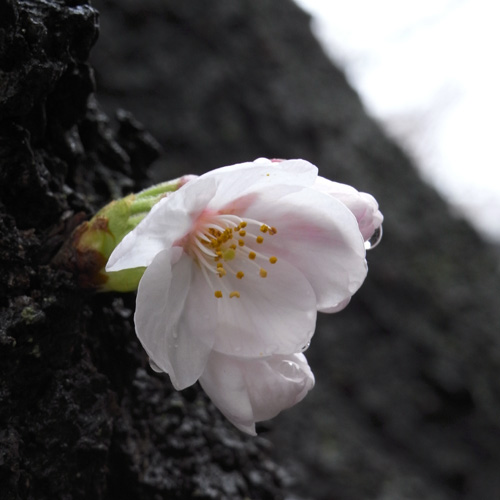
(248, 391)
(224, 382)
(168, 221)
(336, 308)
(319, 236)
(273, 315)
(177, 340)
(139, 247)
(245, 179)
(288, 380)
(362, 205)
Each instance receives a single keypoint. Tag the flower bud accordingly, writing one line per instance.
(92, 242)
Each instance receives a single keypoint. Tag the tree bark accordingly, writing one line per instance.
(81, 413)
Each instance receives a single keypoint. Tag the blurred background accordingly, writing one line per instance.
(429, 72)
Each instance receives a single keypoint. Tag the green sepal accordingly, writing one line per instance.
(93, 241)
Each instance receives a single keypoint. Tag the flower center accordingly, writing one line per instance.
(221, 243)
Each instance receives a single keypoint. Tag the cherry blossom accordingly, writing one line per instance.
(239, 261)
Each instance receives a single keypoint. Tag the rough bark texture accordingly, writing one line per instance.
(81, 415)
(408, 377)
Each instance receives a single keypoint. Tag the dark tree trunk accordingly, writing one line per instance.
(81, 415)
(407, 401)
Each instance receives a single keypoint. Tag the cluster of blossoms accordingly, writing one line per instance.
(239, 261)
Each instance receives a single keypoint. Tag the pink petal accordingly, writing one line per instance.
(318, 235)
(362, 205)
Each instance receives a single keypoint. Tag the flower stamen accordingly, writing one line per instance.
(221, 239)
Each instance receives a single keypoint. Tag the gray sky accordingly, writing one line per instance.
(430, 72)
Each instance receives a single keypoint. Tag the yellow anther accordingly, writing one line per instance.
(233, 246)
(241, 243)
(219, 265)
(242, 233)
(264, 228)
(234, 294)
(243, 224)
(273, 259)
(240, 274)
(252, 255)
(259, 239)
(263, 273)
(218, 294)
(272, 230)
(222, 272)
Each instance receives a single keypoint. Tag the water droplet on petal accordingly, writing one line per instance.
(375, 239)
(304, 348)
(290, 370)
(154, 366)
